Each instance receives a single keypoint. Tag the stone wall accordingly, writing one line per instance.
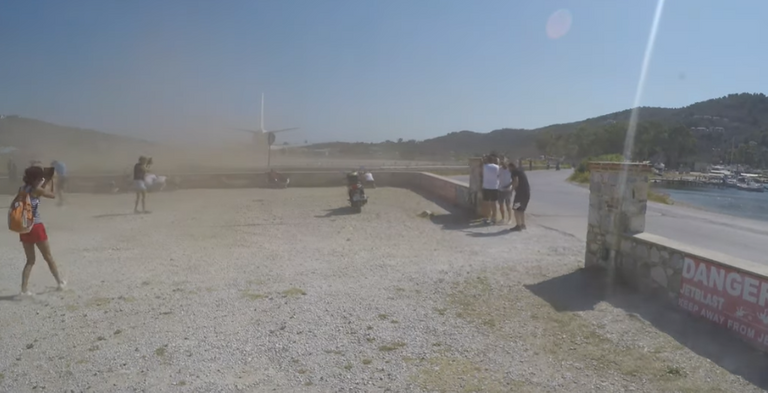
(730, 292)
(616, 207)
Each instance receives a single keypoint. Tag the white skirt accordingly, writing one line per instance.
(139, 185)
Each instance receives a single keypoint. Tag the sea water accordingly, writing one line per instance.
(731, 201)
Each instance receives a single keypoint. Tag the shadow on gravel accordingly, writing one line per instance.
(339, 211)
(452, 221)
(114, 215)
(489, 234)
(455, 220)
(583, 289)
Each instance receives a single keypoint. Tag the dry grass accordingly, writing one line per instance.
(392, 347)
(253, 296)
(450, 374)
(293, 292)
(568, 338)
(660, 197)
(579, 177)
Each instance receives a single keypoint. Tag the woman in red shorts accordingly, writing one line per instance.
(34, 185)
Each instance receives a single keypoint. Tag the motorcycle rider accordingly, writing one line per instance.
(353, 178)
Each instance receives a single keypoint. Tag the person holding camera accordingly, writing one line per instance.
(35, 186)
(139, 184)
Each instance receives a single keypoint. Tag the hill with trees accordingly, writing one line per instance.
(729, 129)
(733, 128)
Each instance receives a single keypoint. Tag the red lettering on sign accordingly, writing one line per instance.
(735, 300)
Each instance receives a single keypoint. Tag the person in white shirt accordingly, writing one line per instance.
(490, 192)
(505, 192)
(369, 180)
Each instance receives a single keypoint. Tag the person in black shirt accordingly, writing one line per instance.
(522, 196)
(139, 174)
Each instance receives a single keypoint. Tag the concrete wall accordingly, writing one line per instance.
(446, 190)
(718, 288)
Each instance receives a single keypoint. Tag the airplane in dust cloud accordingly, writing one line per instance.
(262, 135)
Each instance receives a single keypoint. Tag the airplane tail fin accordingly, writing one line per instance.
(262, 112)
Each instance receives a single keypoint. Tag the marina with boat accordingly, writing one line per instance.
(717, 177)
(723, 190)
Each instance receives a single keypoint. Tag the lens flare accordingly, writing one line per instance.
(559, 23)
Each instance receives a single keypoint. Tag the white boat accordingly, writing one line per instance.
(747, 184)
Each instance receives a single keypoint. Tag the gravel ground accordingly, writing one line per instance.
(284, 290)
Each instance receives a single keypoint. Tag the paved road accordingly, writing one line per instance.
(560, 205)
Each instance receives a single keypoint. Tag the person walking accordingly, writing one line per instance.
(522, 196)
(34, 186)
(139, 174)
(369, 182)
(505, 192)
(12, 171)
(61, 180)
(490, 191)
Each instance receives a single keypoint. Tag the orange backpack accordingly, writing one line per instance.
(20, 217)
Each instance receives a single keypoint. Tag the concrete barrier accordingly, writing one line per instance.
(447, 190)
(724, 290)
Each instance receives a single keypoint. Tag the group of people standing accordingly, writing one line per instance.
(501, 179)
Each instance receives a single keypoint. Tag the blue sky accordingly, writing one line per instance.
(363, 69)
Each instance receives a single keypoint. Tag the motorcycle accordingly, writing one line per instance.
(356, 192)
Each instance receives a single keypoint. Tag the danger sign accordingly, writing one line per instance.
(730, 298)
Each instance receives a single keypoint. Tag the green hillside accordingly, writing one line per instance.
(730, 128)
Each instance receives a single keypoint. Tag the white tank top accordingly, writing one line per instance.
(490, 177)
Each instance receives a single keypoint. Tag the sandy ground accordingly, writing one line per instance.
(285, 290)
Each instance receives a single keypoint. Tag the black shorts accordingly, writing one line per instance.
(521, 202)
(490, 195)
(505, 197)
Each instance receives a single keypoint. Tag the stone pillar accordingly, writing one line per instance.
(618, 198)
(475, 185)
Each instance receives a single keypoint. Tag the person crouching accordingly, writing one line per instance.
(277, 180)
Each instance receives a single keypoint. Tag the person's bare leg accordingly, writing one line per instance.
(136, 205)
(493, 211)
(45, 249)
(501, 210)
(144, 201)
(509, 210)
(522, 220)
(29, 252)
(519, 219)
